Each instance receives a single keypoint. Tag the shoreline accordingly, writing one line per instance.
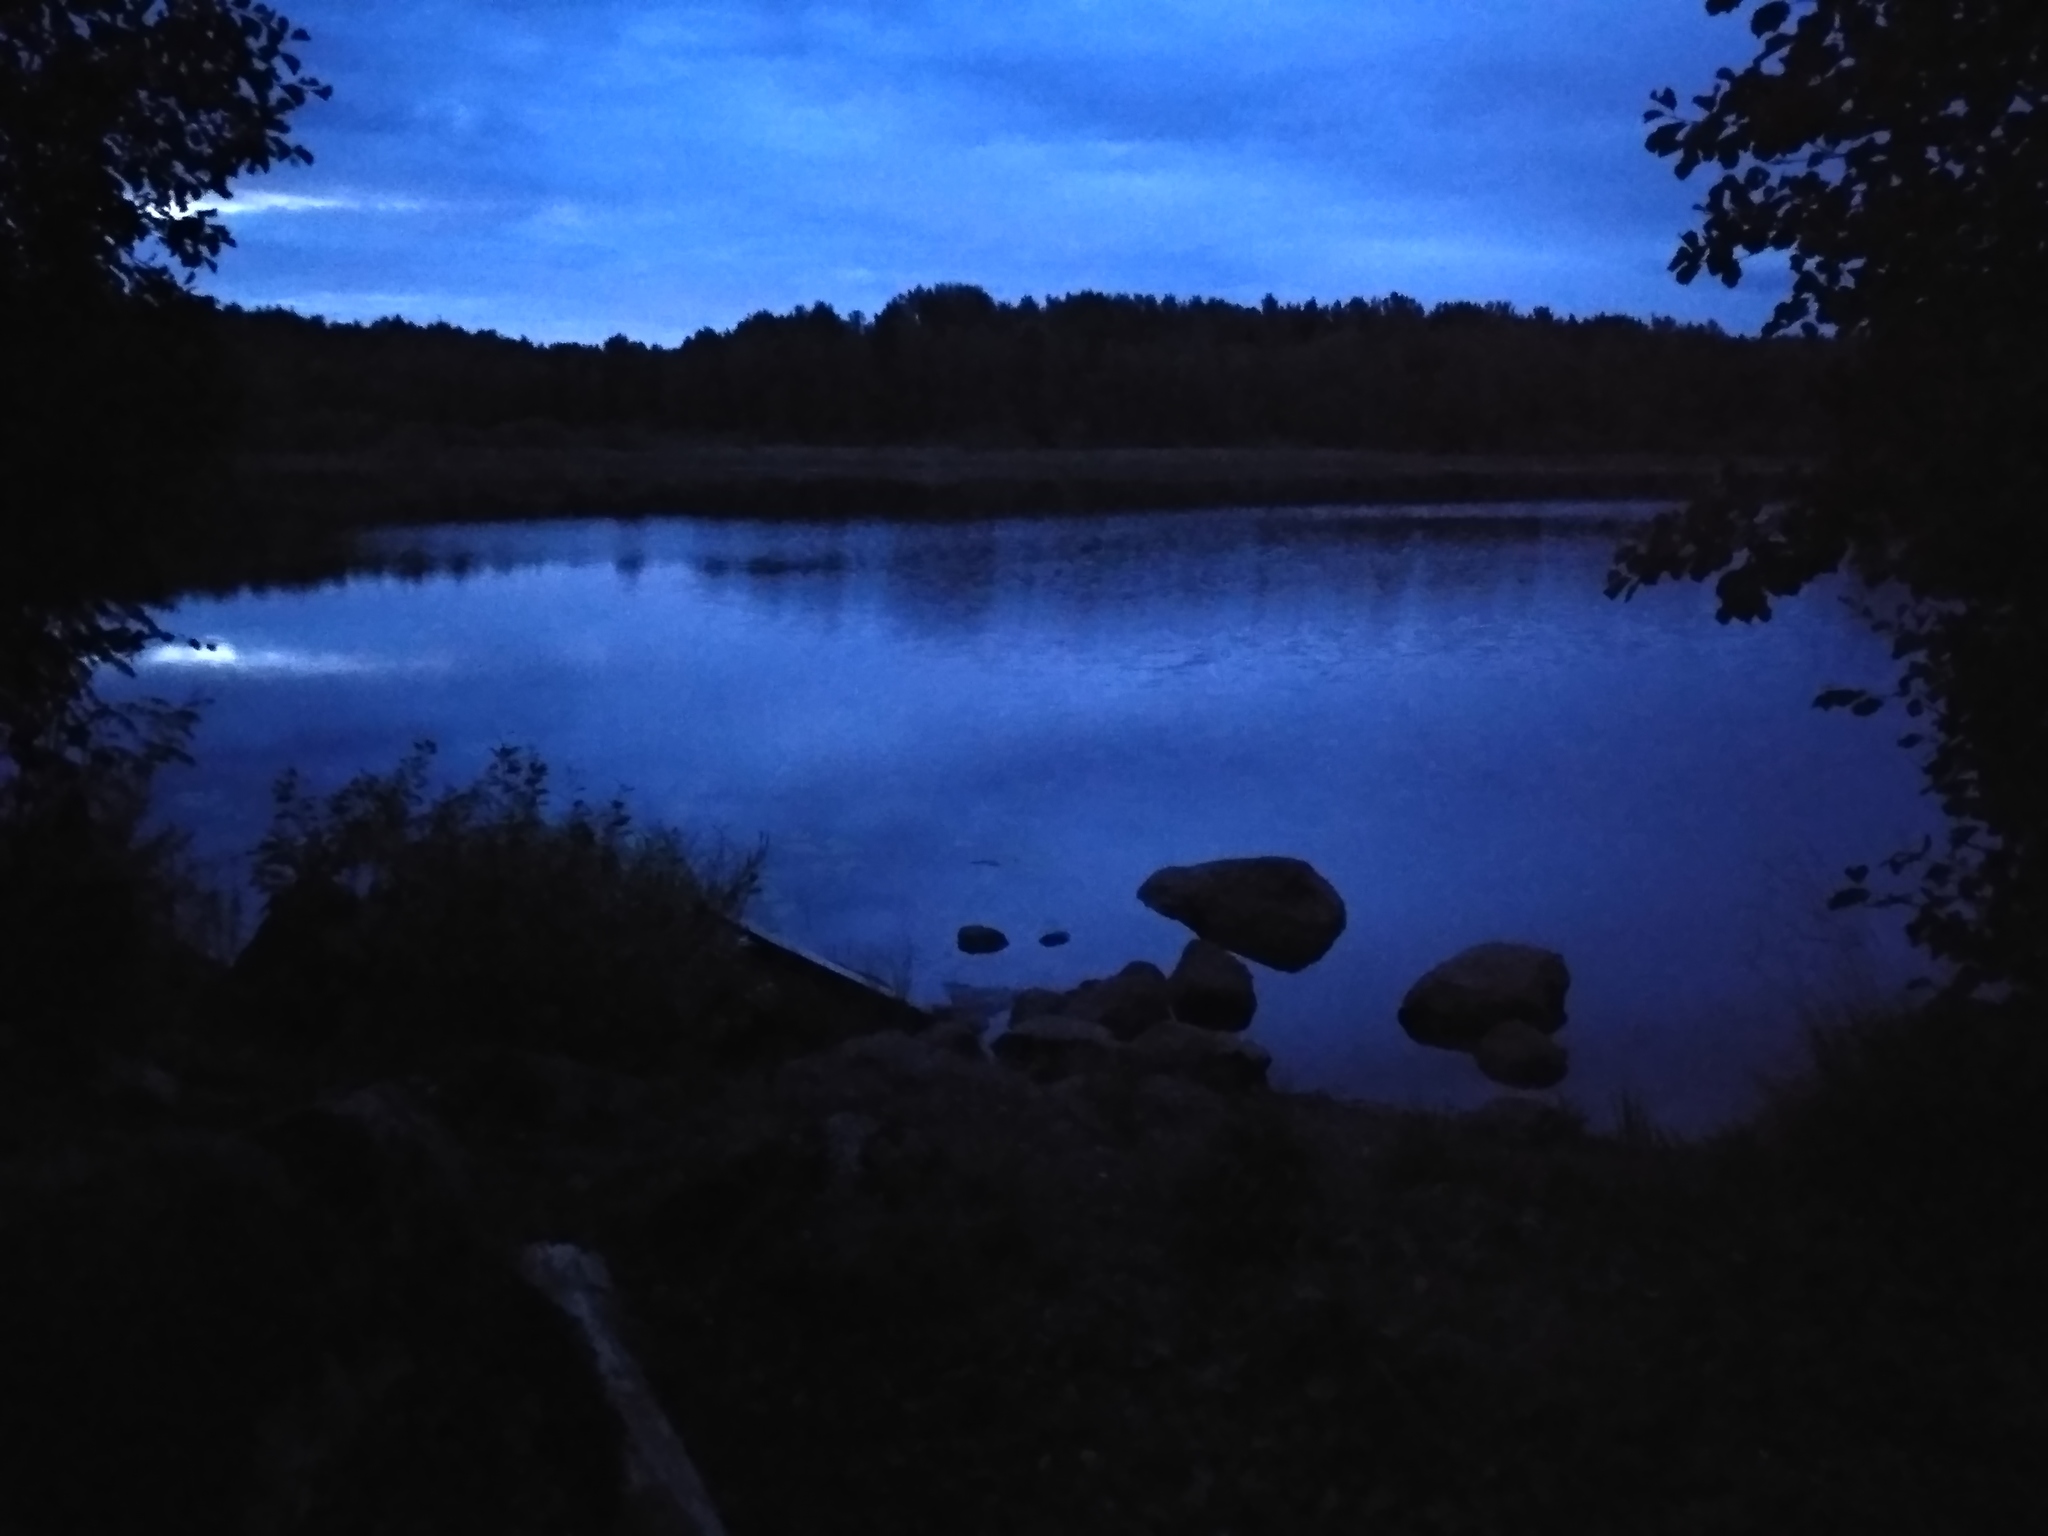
(619, 475)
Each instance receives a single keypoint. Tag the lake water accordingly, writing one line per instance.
(1015, 722)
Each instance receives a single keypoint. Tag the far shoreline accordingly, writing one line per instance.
(404, 482)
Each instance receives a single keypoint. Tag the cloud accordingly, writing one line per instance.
(574, 169)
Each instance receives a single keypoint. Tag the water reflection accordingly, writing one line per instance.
(1013, 722)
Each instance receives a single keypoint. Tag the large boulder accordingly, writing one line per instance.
(1125, 1004)
(1212, 988)
(1518, 1055)
(1275, 910)
(1201, 1055)
(1457, 1002)
(1049, 1047)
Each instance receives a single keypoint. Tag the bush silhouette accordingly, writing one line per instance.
(412, 920)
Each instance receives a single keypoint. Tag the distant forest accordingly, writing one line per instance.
(951, 365)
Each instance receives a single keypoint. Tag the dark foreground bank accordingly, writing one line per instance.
(261, 1222)
(894, 1286)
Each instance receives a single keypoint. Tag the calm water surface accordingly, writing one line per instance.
(1015, 722)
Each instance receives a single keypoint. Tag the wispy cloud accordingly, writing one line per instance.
(246, 204)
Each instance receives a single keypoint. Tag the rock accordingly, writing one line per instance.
(1212, 988)
(1051, 1046)
(1455, 1004)
(980, 939)
(1519, 1055)
(1054, 939)
(1275, 910)
(1204, 1056)
(1125, 1004)
(1034, 1002)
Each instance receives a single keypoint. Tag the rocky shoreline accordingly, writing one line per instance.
(875, 1277)
(1500, 1002)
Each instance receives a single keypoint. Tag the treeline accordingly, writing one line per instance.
(951, 365)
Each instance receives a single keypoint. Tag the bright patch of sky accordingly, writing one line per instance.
(568, 169)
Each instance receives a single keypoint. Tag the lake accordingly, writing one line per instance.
(1014, 722)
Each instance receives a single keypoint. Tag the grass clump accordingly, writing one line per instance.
(407, 919)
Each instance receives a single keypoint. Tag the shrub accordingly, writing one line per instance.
(103, 915)
(475, 915)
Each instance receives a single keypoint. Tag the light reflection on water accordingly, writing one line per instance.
(1014, 722)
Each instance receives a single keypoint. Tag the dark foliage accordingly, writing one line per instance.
(404, 921)
(116, 118)
(1895, 149)
(949, 364)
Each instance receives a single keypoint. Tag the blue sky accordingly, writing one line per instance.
(568, 169)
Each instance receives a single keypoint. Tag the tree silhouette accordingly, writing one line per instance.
(1895, 150)
(117, 118)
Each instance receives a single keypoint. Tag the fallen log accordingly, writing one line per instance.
(664, 1495)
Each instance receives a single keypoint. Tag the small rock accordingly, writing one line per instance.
(980, 939)
(1212, 988)
(1457, 1002)
(1129, 1002)
(1054, 939)
(1278, 911)
(1052, 1046)
(1519, 1055)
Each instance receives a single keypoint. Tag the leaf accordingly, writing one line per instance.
(1857, 873)
(1865, 707)
(1849, 896)
(1769, 17)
